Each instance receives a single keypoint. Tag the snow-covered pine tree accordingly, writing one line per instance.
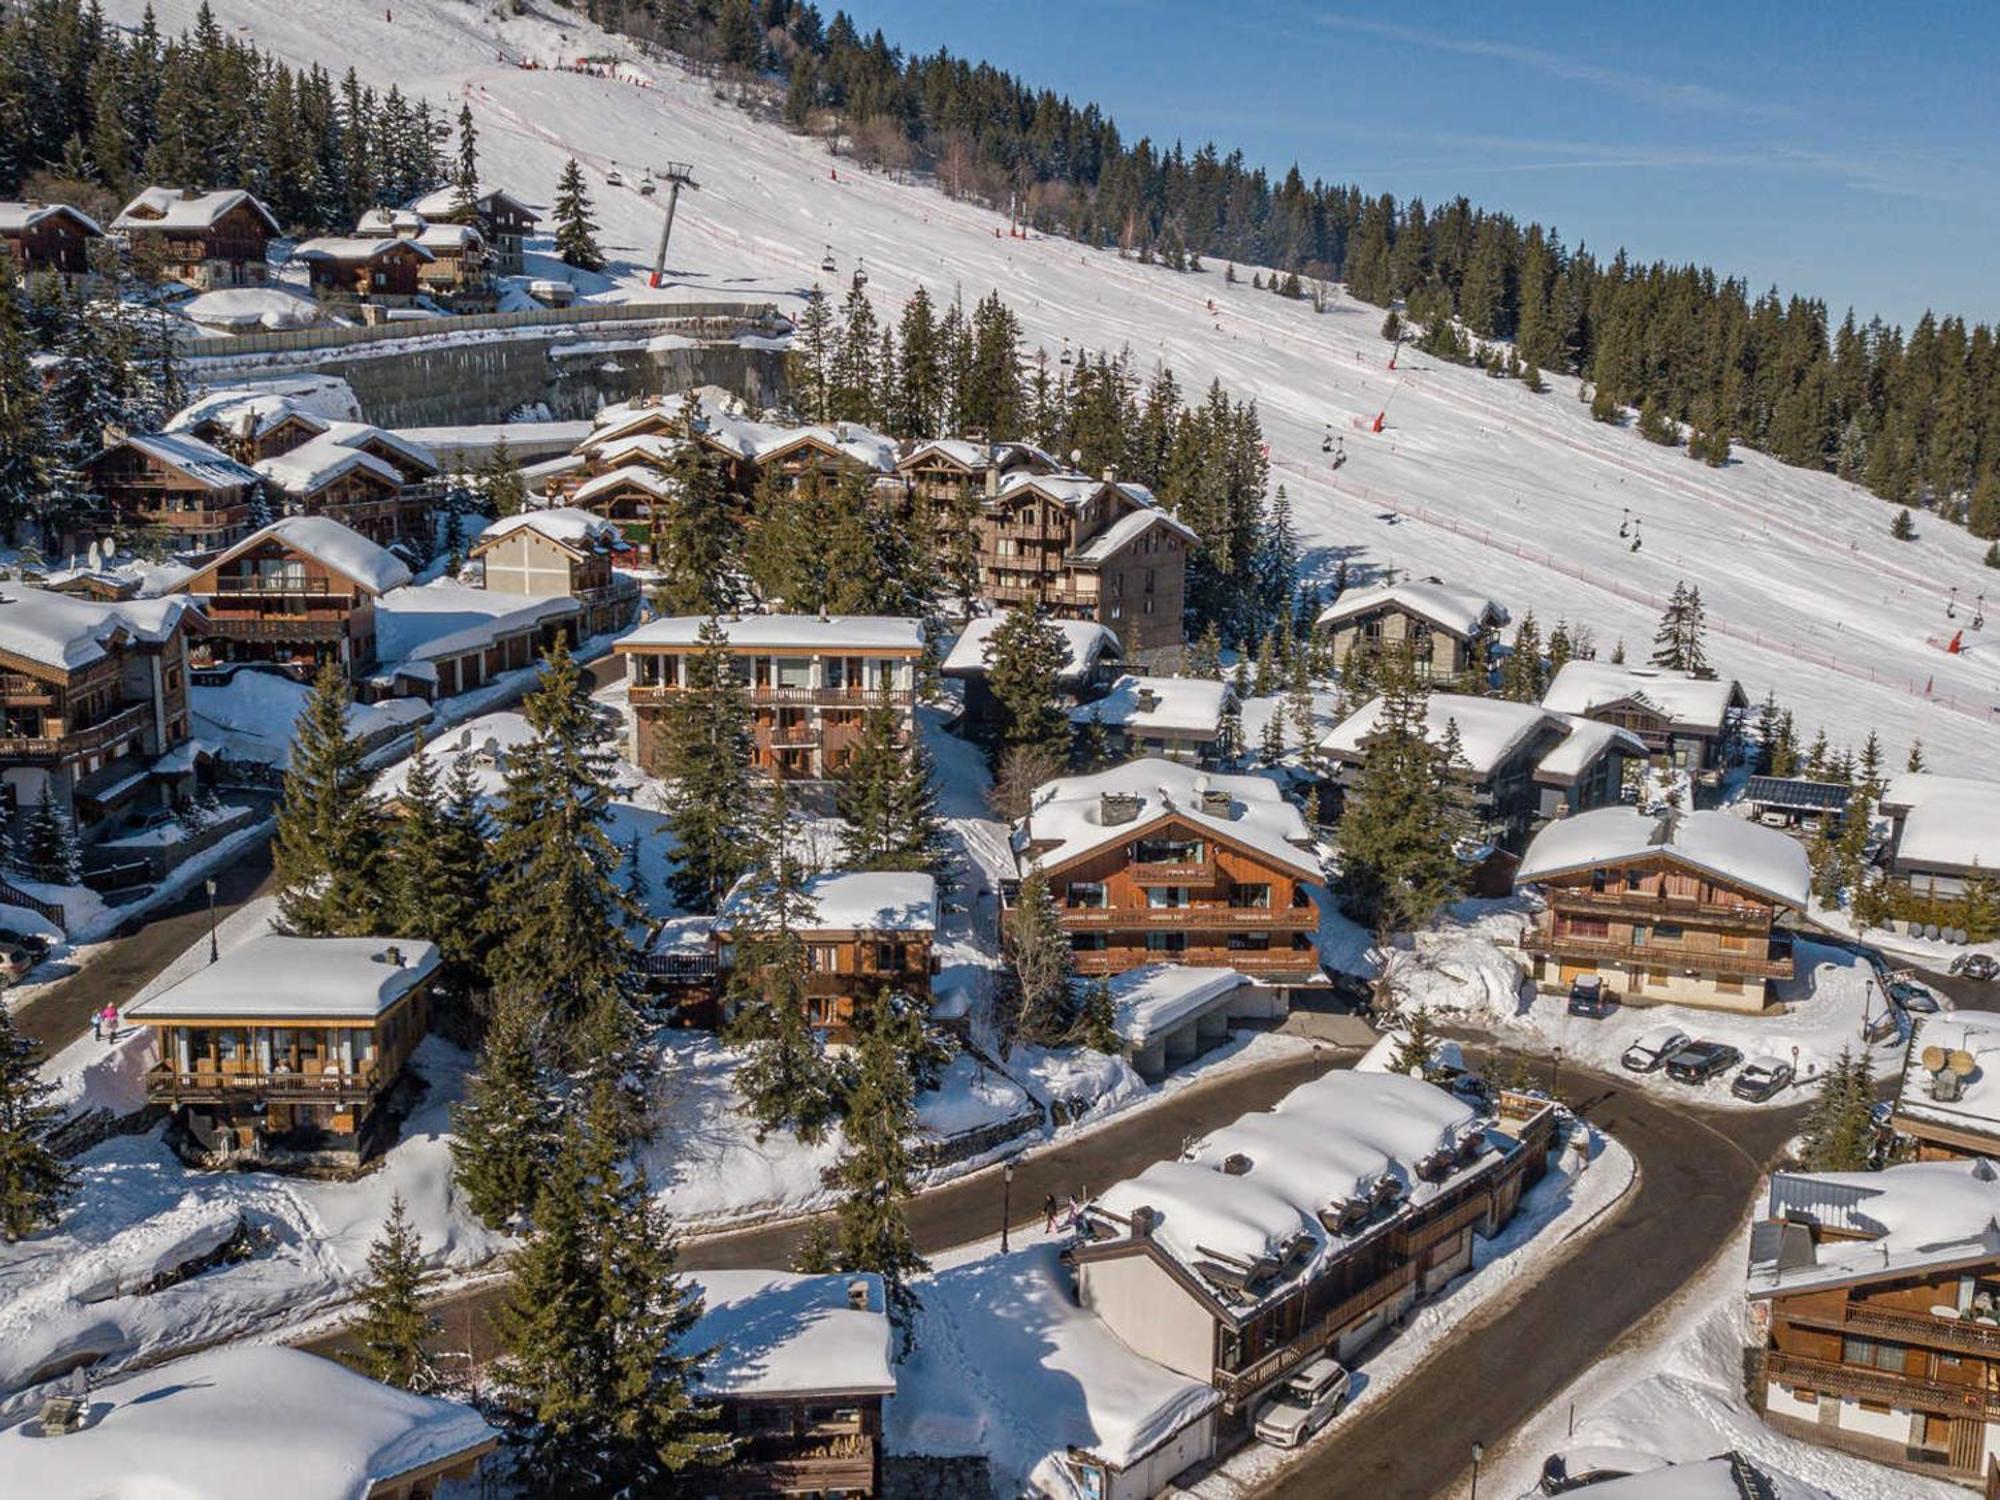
(47, 849)
(1205, 655)
(1523, 677)
(392, 1334)
(440, 882)
(786, 1081)
(559, 919)
(328, 847)
(24, 430)
(1398, 862)
(889, 801)
(1041, 964)
(1025, 657)
(694, 537)
(1679, 644)
(1417, 1047)
(466, 176)
(1916, 757)
(708, 795)
(576, 229)
(503, 1129)
(34, 1181)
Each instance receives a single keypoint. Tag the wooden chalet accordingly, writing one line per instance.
(869, 932)
(252, 428)
(562, 552)
(205, 240)
(1684, 721)
(197, 496)
(1090, 667)
(799, 1368)
(628, 495)
(1179, 718)
(1157, 862)
(370, 270)
(1944, 834)
(1671, 910)
(47, 239)
(93, 705)
(1307, 1230)
(368, 479)
(1875, 1297)
(287, 1050)
(1087, 549)
(1448, 633)
(811, 681)
(298, 593)
(459, 272)
(503, 220)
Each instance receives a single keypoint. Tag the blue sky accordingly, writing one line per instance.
(1846, 151)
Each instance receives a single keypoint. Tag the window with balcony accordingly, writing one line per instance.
(1166, 942)
(1873, 1353)
(1169, 851)
(1087, 895)
(1167, 897)
(792, 671)
(1249, 897)
(1594, 929)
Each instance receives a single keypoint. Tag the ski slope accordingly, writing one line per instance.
(1473, 480)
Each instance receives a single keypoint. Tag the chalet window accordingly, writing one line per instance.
(1595, 928)
(1166, 942)
(1668, 932)
(824, 958)
(888, 957)
(793, 671)
(1301, 898)
(1640, 932)
(1088, 942)
(1086, 894)
(1635, 880)
(1598, 880)
(1250, 942)
(1251, 897)
(1167, 897)
(1169, 851)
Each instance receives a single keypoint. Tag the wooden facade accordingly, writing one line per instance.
(1170, 891)
(1658, 930)
(1444, 657)
(204, 240)
(849, 968)
(272, 601)
(384, 272)
(47, 240)
(199, 500)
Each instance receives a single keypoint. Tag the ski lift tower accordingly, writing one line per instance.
(677, 175)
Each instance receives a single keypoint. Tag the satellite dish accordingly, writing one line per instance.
(96, 558)
(1934, 1059)
(1962, 1063)
(110, 546)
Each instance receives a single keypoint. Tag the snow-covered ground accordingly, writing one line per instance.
(1676, 1389)
(1474, 480)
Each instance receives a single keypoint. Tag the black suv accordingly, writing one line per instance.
(1698, 1062)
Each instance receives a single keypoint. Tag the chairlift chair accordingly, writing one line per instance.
(614, 178)
(1326, 443)
(860, 272)
(646, 186)
(1068, 358)
(826, 263)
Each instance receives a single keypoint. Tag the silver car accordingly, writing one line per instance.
(1304, 1404)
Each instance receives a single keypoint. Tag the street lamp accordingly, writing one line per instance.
(213, 951)
(1006, 1202)
(1478, 1452)
(1555, 1068)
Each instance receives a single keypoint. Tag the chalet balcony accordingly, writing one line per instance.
(1052, 594)
(658, 695)
(166, 1084)
(275, 627)
(794, 737)
(1413, 1242)
(198, 520)
(1656, 956)
(124, 722)
(1238, 1387)
(1882, 1386)
(20, 691)
(277, 584)
(680, 968)
(1160, 873)
(1955, 1335)
(1182, 918)
(1646, 906)
(621, 588)
(793, 1476)
(1296, 964)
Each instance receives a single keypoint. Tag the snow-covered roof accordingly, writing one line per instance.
(1950, 822)
(656, 449)
(319, 462)
(1585, 744)
(338, 247)
(852, 441)
(1887, 1223)
(449, 237)
(1085, 643)
(788, 632)
(1251, 1194)
(449, 199)
(246, 413)
(406, 449)
(1067, 488)
(388, 220)
(1491, 730)
(778, 1334)
(1976, 1110)
(272, 307)
(1156, 998)
(243, 1422)
(1732, 849)
(67, 631)
(1159, 705)
(853, 901)
(184, 209)
(1459, 612)
(190, 457)
(426, 622)
(1693, 702)
(338, 979)
(1067, 817)
(1127, 529)
(19, 218)
(324, 539)
(578, 530)
(637, 476)
(961, 451)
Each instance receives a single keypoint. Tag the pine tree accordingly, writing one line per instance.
(694, 537)
(809, 363)
(786, 1082)
(558, 917)
(1097, 1019)
(1025, 657)
(1041, 966)
(576, 230)
(1992, 558)
(1205, 656)
(1904, 527)
(502, 1131)
(1417, 1045)
(394, 1330)
(24, 425)
(48, 849)
(328, 846)
(1678, 644)
(856, 378)
(1522, 677)
(1870, 767)
(1398, 860)
(708, 798)
(1839, 1132)
(467, 176)
(889, 801)
(34, 1181)
(1271, 747)
(1916, 760)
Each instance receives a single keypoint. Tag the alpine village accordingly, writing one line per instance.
(739, 762)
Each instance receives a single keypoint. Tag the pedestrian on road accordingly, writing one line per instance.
(111, 1023)
(97, 1025)
(1049, 1214)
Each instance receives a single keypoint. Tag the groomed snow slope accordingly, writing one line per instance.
(1474, 480)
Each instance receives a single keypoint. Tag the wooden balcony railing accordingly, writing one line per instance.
(1868, 1384)
(255, 583)
(1959, 1335)
(275, 627)
(1645, 906)
(1202, 918)
(1238, 1386)
(1161, 873)
(198, 520)
(772, 697)
(1415, 1241)
(166, 1082)
(126, 721)
(1658, 955)
(1278, 963)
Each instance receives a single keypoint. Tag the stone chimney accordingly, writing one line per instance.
(1143, 1219)
(992, 481)
(1111, 473)
(1115, 808)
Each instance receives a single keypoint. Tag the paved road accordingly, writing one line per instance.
(970, 1208)
(1698, 1168)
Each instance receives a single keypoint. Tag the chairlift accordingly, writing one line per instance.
(614, 178)
(647, 187)
(1625, 525)
(860, 272)
(1326, 443)
(1068, 358)
(826, 262)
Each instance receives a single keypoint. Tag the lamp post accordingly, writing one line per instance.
(214, 952)
(1555, 1068)
(1478, 1452)
(1006, 1202)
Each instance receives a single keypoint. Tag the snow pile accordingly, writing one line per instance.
(245, 309)
(776, 1334)
(252, 714)
(969, 1096)
(1460, 966)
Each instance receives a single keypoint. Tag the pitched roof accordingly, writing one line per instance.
(185, 209)
(1491, 730)
(577, 530)
(318, 462)
(1171, 705)
(1682, 699)
(205, 464)
(339, 247)
(1126, 530)
(1731, 849)
(852, 901)
(18, 218)
(1889, 1223)
(1085, 642)
(324, 539)
(1461, 612)
(638, 476)
(66, 632)
(1950, 822)
(775, 1333)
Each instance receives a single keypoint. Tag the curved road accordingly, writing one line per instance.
(1697, 1170)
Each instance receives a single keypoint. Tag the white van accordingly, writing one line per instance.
(1304, 1404)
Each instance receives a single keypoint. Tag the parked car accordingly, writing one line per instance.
(148, 820)
(1913, 996)
(1652, 1048)
(1304, 1404)
(1980, 966)
(1473, 1089)
(1589, 997)
(1580, 1467)
(1698, 1062)
(1762, 1078)
(34, 942)
(15, 961)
